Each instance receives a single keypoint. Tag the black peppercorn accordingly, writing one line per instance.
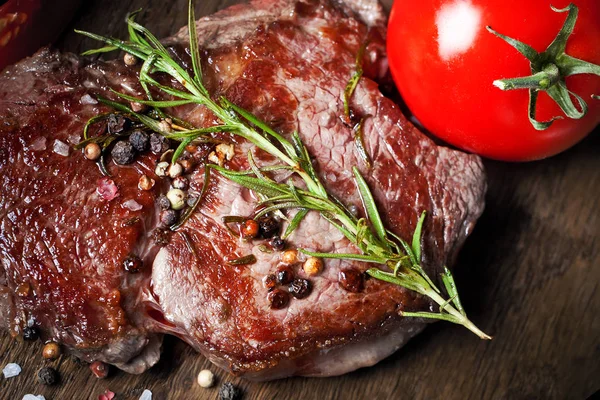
(168, 217)
(133, 264)
(123, 153)
(140, 140)
(277, 243)
(229, 392)
(300, 288)
(278, 299)
(268, 226)
(48, 376)
(163, 202)
(284, 275)
(117, 123)
(31, 333)
(158, 143)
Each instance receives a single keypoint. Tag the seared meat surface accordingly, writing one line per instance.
(63, 244)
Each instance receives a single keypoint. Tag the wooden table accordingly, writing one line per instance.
(529, 275)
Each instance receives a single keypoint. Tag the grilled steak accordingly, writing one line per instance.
(63, 242)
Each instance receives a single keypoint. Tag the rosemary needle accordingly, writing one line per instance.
(395, 260)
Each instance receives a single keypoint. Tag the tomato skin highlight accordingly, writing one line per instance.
(444, 61)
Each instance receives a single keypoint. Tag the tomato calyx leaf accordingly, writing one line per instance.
(548, 72)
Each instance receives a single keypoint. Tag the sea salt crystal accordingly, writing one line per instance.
(146, 395)
(132, 205)
(33, 397)
(38, 144)
(106, 189)
(11, 370)
(61, 148)
(74, 139)
(87, 99)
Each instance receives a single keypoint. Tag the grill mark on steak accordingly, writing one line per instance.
(288, 62)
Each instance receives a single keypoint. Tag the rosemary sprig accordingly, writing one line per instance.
(397, 261)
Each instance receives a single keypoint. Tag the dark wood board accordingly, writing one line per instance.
(529, 275)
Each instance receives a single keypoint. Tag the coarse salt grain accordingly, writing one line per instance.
(74, 139)
(33, 397)
(106, 189)
(11, 370)
(61, 148)
(38, 144)
(132, 205)
(146, 395)
(87, 99)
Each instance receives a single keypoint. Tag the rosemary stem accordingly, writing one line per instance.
(460, 318)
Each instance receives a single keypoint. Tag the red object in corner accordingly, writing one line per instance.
(27, 25)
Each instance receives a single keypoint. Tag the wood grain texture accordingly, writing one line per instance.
(529, 275)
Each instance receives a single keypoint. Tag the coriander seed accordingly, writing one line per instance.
(51, 351)
(289, 257)
(92, 151)
(312, 266)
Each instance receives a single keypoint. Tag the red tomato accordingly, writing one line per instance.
(26, 25)
(444, 61)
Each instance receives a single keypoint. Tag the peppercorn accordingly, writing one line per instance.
(31, 333)
(146, 183)
(351, 279)
(284, 275)
(140, 140)
(289, 257)
(175, 170)
(229, 392)
(51, 351)
(158, 143)
(133, 264)
(278, 299)
(312, 266)
(48, 376)
(269, 226)
(270, 281)
(168, 217)
(163, 202)
(123, 153)
(92, 151)
(99, 369)
(129, 59)
(300, 288)
(117, 123)
(250, 229)
(162, 169)
(206, 378)
(277, 243)
(181, 182)
(176, 198)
